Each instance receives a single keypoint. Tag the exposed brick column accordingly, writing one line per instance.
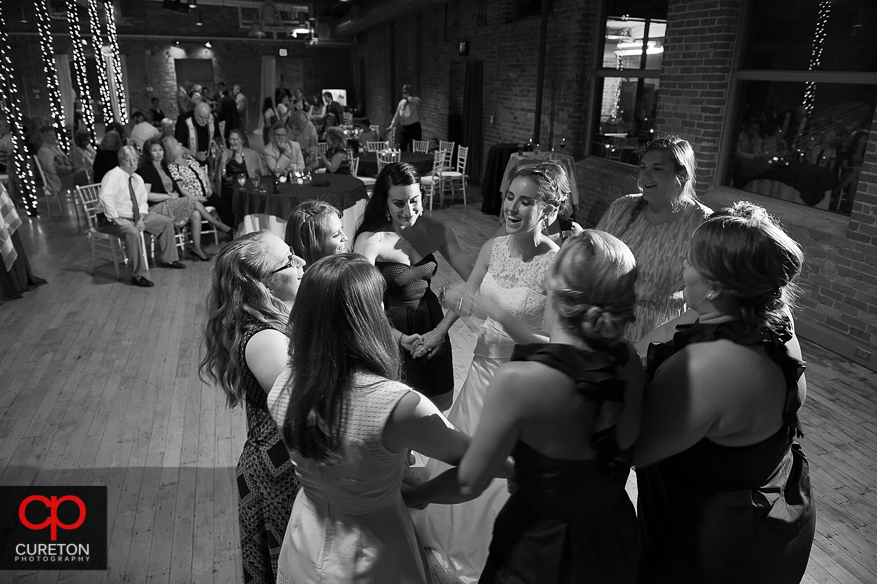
(696, 75)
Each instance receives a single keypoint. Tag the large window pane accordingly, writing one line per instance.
(805, 35)
(627, 109)
(782, 151)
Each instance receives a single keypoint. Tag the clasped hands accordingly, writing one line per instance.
(424, 345)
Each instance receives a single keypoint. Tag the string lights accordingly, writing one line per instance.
(117, 62)
(816, 54)
(79, 64)
(100, 63)
(48, 52)
(23, 177)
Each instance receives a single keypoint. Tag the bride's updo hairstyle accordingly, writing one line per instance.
(743, 251)
(551, 182)
(592, 280)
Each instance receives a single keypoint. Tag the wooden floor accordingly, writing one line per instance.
(98, 386)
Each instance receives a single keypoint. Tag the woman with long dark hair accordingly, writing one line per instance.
(402, 243)
(254, 283)
(348, 423)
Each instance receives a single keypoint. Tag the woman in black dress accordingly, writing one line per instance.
(568, 412)
(253, 286)
(401, 242)
(724, 487)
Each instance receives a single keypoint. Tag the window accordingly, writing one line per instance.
(804, 98)
(628, 78)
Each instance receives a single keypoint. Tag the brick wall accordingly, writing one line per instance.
(427, 56)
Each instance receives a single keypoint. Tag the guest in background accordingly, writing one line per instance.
(5, 144)
(167, 128)
(192, 180)
(242, 106)
(724, 486)
(253, 286)
(197, 131)
(227, 115)
(124, 199)
(282, 115)
(119, 129)
(298, 103)
(569, 519)
(164, 195)
(367, 134)
(156, 114)
(83, 154)
(239, 159)
(57, 167)
(314, 231)
(184, 102)
(335, 158)
(348, 424)
(749, 142)
(303, 132)
(269, 117)
(656, 225)
(32, 132)
(407, 119)
(282, 155)
(107, 155)
(141, 130)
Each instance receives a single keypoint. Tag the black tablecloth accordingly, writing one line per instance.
(497, 159)
(810, 180)
(341, 191)
(368, 162)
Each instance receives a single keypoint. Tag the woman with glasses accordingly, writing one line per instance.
(656, 225)
(253, 285)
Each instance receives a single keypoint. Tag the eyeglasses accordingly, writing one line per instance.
(292, 262)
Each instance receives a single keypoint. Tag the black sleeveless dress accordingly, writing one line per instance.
(719, 514)
(570, 521)
(266, 480)
(413, 308)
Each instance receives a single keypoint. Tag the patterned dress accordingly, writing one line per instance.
(266, 481)
(191, 175)
(659, 251)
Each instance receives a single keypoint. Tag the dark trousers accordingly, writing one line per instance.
(223, 206)
(408, 134)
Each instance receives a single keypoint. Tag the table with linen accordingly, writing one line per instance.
(368, 162)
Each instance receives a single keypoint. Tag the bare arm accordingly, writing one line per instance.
(417, 424)
(453, 253)
(266, 356)
(664, 333)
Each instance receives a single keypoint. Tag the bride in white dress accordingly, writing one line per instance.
(508, 277)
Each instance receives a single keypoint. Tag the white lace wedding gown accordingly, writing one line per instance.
(459, 535)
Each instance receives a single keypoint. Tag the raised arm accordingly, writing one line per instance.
(453, 253)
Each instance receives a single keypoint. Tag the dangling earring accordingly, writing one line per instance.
(387, 215)
(710, 295)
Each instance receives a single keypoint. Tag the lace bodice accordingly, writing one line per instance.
(518, 287)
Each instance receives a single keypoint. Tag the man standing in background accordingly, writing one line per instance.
(407, 118)
(240, 101)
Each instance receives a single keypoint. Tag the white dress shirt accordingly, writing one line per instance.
(116, 198)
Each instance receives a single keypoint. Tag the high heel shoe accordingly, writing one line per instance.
(200, 257)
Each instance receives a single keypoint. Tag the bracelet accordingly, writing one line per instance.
(460, 310)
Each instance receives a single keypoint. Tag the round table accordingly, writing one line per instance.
(368, 162)
(268, 204)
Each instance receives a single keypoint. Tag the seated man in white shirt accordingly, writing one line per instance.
(142, 130)
(283, 155)
(119, 190)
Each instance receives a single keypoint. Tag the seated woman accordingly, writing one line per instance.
(254, 283)
(570, 519)
(724, 486)
(314, 231)
(191, 178)
(168, 202)
(335, 159)
(236, 160)
(82, 154)
(348, 423)
(367, 135)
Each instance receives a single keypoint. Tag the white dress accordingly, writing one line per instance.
(349, 523)
(459, 535)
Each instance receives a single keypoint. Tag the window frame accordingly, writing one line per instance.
(820, 220)
(598, 71)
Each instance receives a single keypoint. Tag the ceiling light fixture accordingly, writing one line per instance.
(208, 45)
(193, 3)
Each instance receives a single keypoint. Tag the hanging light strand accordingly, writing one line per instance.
(819, 36)
(48, 52)
(117, 62)
(9, 93)
(97, 44)
(79, 65)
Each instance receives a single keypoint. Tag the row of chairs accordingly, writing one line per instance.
(444, 176)
(88, 198)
